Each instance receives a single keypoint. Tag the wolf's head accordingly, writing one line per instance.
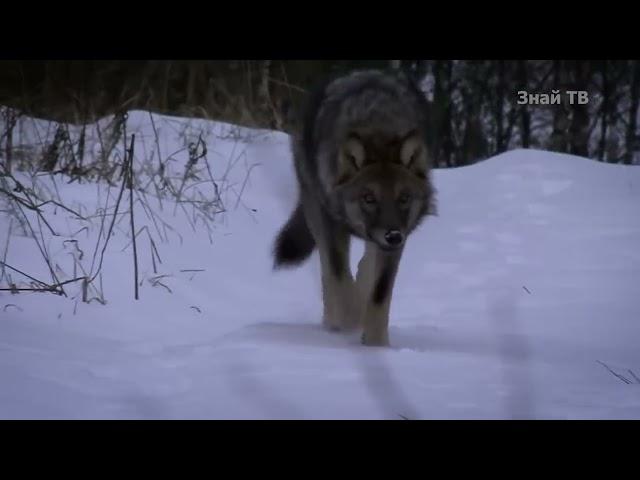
(383, 186)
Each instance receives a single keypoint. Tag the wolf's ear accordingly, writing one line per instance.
(351, 159)
(413, 154)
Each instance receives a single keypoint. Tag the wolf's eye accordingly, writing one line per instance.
(368, 198)
(404, 199)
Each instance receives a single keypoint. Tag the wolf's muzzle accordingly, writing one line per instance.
(394, 238)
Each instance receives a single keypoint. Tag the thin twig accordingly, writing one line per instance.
(32, 205)
(133, 228)
(624, 379)
(244, 183)
(113, 220)
(11, 305)
(153, 256)
(57, 288)
(155, 134)
(6, 250)
(26, 275)
(29, 206)
(25, 289)
(634, 376)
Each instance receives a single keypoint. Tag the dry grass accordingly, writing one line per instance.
(36, 156)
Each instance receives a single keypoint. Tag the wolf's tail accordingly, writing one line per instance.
(295, 243)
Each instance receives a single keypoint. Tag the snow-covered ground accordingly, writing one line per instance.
(513, 303)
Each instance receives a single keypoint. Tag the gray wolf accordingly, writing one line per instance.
(363, 165)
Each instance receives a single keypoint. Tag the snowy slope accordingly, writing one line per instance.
(506, 303)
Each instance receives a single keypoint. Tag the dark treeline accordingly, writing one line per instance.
(585, 107)
(477, 111)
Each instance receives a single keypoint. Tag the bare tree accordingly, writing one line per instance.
(632, 122)
(525, 116)
(559, 138)
(604, 109)
(579, 127)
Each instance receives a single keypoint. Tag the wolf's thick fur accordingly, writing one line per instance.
(363, 167)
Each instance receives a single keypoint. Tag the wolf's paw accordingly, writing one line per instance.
(350, 323)
(352, 314)
(332, 326)
(378, 339)
(340, 327)
(333, 323)
(346, 319)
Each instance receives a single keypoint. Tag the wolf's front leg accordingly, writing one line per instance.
(338, 295)
(338, 287)
(375, 280)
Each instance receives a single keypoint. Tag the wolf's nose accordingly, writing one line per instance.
(393, 237)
